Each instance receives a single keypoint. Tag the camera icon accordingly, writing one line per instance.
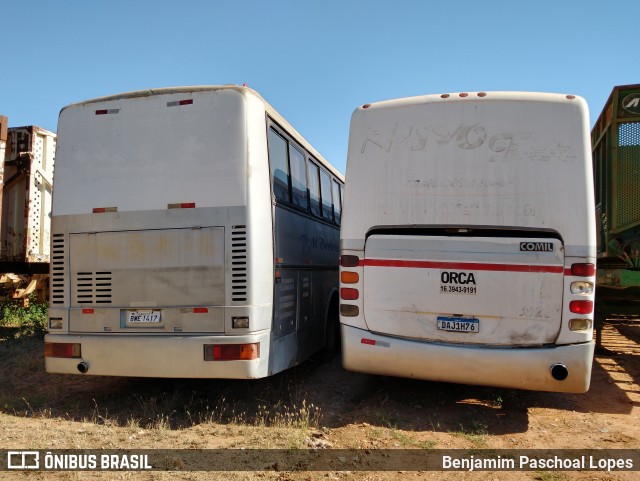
(23, 460)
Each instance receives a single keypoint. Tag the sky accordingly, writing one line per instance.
(314, 61)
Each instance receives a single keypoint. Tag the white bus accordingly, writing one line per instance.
(468, 241)
(195, 234)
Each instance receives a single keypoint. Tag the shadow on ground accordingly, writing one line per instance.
(309, 390)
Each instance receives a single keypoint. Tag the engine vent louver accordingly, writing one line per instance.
(93, 287)
(58, 269)
(239, 281)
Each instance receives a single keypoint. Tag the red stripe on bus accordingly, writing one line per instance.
(463, 266)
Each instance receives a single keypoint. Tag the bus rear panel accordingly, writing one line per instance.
(467, 241)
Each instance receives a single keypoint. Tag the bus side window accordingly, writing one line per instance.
(337, 201)
(298, 177)
(279, 166)
(314, 188)
(325, 189)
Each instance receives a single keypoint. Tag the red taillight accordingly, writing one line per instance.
(102, 210)
(107, 111)
(88, 311)
(182, 205)
(581, 307)
(177, 103)
(61, 349)
(583, 270)
(349, 261)
(200, 310)
(231, 352)
(349, 294)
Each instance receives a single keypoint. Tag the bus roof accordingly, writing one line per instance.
(241, 89)
(467, 96)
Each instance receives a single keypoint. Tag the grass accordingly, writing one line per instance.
(475, 432)
(282, 415)
(122, 408)
(390, 428)
(408, 442)
(19, 321)
(550, 476)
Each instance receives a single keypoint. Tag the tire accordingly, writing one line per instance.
(332, 334)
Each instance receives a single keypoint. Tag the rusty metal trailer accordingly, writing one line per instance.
(615, 140)
(27, 172)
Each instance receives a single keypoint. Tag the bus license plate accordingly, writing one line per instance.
(143, 317)
(458, 324)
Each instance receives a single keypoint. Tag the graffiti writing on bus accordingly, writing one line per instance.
(502, 146)
(317, 243)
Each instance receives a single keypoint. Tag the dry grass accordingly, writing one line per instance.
(104, 412)
(322, 403)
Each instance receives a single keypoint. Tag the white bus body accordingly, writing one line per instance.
(468, 241)
(171, 257)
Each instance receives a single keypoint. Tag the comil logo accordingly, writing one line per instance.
(631, 103)
(536, 246)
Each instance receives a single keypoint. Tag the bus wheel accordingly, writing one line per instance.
(332, 334)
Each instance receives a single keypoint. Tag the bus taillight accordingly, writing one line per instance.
(583, 270)
(182, 205)
(349, 310)
(581, 288)
(581, 307)
(349, 294)
(349, 277)
(61, 349)
(349, 261)
(231, 352)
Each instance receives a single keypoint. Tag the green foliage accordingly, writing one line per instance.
(24, 321)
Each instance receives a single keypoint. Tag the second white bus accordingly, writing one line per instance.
(468, 241)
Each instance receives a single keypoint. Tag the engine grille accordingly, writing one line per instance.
(93, 287)
(239, 280)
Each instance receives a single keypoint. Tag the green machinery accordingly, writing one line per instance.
(615, 141)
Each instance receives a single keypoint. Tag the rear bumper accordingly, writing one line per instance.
(158, 356)
(519, 368)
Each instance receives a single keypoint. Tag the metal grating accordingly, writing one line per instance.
(239, 281)
(58, 269)
(93, 287)
(628, 175)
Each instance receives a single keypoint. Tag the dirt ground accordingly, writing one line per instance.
(320, 407)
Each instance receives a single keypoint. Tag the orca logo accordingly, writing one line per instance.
(536, 246)
(447, 277)
(631, 103)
